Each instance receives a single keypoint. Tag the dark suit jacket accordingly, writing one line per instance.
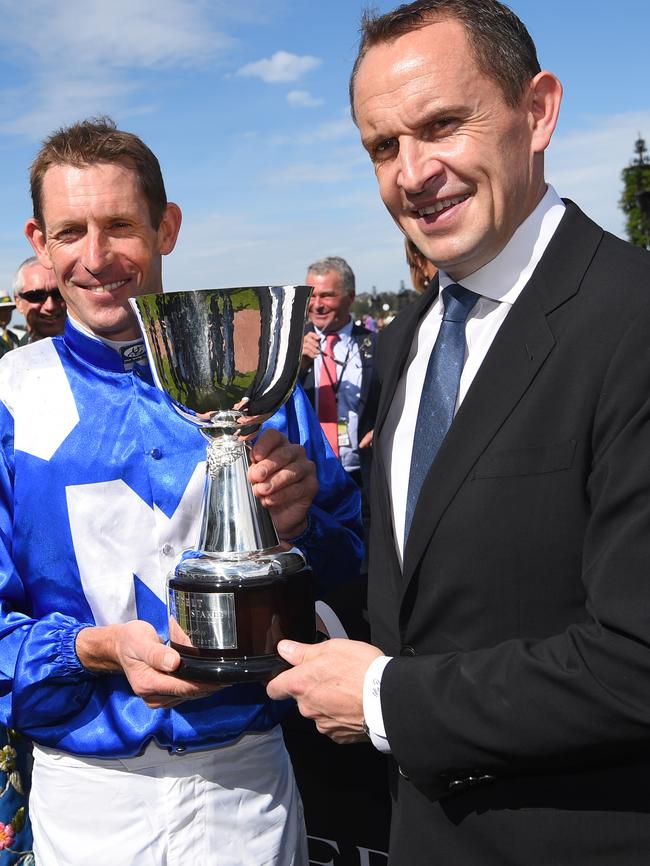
(518, 701)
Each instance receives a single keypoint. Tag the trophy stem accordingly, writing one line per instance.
(234, 521)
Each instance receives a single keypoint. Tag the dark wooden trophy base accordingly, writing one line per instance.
(266, 611)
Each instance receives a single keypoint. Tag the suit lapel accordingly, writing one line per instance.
(519, 351)
(365, 346)
(396, 346)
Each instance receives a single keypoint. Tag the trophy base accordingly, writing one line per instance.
(259, 669)
(228, 632)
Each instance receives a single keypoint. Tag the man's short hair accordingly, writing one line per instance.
(93, 141)
(502, 46)
(19, 277)
(340, 266)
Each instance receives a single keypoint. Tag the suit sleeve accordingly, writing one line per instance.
(578, 698)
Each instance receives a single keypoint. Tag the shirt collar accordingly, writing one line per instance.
(345, 331)
(503, 278)
(100, 352)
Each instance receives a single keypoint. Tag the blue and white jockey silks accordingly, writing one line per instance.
(100, 488)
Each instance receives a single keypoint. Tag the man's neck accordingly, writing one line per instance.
(108, 341)
(504, 277)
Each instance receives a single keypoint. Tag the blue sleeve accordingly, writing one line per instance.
(333, 542)
(41, 678)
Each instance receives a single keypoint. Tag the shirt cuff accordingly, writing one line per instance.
(372, 704)
(69, 650)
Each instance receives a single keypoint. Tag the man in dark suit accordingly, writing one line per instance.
(337, 365)
(509, 591)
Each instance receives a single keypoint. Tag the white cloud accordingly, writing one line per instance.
(338, 166)
(280, 68)
(81, 58)
(123, 33)
(329, 131)
(303, 99)
(585, 165)
(300, 174)
(61, 100)
(332, 130)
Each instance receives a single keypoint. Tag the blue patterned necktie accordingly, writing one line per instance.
(439, 392)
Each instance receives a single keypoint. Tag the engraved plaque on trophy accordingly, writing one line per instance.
(220, 354)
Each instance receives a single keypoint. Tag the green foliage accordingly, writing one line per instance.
(19, 819)
(635, 199)
(381, 304)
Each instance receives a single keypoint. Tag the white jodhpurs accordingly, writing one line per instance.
(237, 805)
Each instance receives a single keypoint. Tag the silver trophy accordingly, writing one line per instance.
(220, 354)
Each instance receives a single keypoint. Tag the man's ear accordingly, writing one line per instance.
(36, 236)
(169, 228)
(545, 96)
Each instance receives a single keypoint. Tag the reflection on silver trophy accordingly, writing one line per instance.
(218, 354)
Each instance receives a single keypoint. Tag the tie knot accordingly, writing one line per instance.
(330, 340)
(458, 301)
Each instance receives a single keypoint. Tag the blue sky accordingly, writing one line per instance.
(245, 104)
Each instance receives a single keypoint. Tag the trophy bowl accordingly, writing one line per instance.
(221, 354)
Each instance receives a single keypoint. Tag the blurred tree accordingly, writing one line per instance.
(379, 304)
(635, 200)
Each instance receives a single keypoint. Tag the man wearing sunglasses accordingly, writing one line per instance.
(39, 300)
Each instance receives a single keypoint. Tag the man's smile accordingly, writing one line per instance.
(442, 204)
(106, 287)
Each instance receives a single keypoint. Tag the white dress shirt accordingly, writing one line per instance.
(499, 284)
(348, 394)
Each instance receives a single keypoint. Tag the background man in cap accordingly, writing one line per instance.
(8, 340)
